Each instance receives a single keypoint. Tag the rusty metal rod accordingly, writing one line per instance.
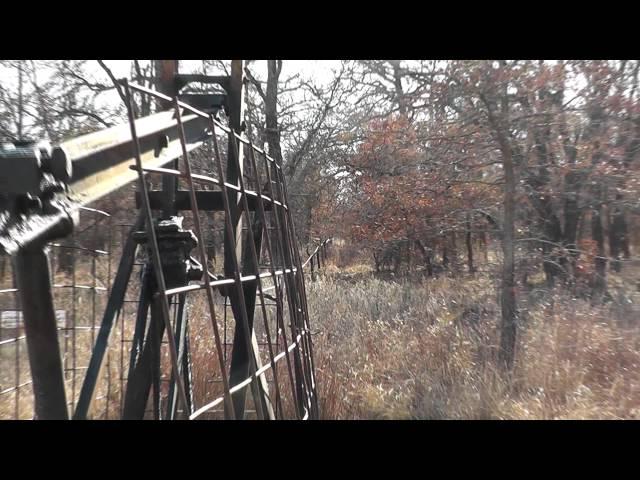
(157, 263)
(246, 381)
(202, 114)
(225, 281)
(206, 180)
(205, 262)
(244, 318)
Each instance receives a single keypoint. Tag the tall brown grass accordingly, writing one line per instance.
(402, 348)
(426, 349)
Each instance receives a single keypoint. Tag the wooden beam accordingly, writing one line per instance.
(208, 200)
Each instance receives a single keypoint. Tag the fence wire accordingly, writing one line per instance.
(195, 374)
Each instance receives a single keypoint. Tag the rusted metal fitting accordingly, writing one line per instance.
(175, 245)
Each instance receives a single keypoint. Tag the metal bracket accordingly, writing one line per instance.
(182, 80)
(26, 164)
(175, 244)
(31, 182)
(206, 102)
(33, 185)
(46, 186)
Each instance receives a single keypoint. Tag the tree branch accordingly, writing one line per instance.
(114, 80)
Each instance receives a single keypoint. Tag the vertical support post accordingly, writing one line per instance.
(294, 287)
(313, 273)
(166, 84)
(182, 345)
(140, 378)
(240, 357)
(233, 246)
(235, 99)
(114, 305)
(267, 406)
(166, 71)
(34, 281)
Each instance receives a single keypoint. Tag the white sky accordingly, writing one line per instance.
(318, 69)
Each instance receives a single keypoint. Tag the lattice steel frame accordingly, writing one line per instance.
(242, 283)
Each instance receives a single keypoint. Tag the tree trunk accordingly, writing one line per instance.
(572, 184)
(426, 255)
(445, 256)
(165, 71)
(484, 241)
(508, 300)
(397, 83)
(272, 133)
(571, 212)
(508, 327)
(469, 245)
(454, 252)
(619, 227)
(376, 260)
(617, 236)
(597, 234)
(20, 100)
(549, 223)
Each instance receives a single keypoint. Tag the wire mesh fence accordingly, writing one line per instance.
(200, 314)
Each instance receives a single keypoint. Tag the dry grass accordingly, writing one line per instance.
(75, 345)
(76, 352)
(426, 350)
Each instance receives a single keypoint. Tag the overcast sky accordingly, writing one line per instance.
(319, 69)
